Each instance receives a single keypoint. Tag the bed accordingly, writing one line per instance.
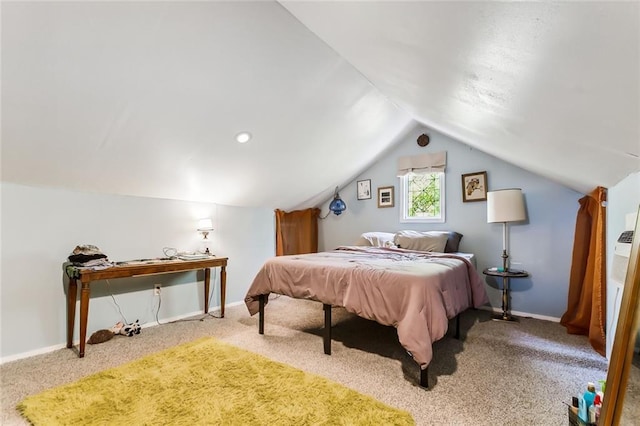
(416, 291)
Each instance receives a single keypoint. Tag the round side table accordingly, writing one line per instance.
(506, 275)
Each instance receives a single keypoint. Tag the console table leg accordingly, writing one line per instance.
(84, 315)
(223, 289)
(207, 280)
(72, 293)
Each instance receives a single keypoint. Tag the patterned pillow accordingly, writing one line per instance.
(376, 239)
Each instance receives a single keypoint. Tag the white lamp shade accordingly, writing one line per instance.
(205, 225)
(505, 205)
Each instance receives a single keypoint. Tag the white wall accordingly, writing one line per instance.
(40, 228)
(622, 199)
(542, 246)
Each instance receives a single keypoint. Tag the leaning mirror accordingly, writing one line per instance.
(623, 376)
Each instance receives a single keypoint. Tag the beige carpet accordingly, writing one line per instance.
(497, 374)
(206, 382)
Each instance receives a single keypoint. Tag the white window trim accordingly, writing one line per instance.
(404, 199)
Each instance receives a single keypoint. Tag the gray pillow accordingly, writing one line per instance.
(453, 241)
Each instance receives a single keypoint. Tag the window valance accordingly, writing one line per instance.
(424, 163)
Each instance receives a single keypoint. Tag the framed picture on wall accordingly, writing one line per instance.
(385, 196)
(474, 186)
(364, 189)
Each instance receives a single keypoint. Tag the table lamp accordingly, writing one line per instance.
(204, 227)
(505, 205)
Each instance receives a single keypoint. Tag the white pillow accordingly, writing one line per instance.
(421, 241)
(376, 239)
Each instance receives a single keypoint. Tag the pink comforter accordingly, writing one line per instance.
(416, 292)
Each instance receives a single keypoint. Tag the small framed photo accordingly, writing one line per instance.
(474, 186)
(385, 196)
(364, 189)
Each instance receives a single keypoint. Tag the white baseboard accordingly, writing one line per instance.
(29, 354)
(522, 314)
(48, 349)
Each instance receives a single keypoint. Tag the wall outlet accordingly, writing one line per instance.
(156, 290)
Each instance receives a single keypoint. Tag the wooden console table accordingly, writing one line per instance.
(133, 269)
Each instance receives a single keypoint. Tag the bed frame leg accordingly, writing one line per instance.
(261, 314)
(327, 328)
(458, 327)
(424, 378)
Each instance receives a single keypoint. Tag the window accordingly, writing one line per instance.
(422, 197)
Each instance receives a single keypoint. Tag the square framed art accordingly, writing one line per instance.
(474, 186)
(385, 196)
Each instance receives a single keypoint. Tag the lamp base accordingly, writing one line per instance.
(504, 317)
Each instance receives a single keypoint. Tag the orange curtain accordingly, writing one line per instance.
(297, 231)
(586, 308)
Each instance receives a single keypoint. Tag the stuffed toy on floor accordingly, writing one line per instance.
(131, 329)
(102, 336)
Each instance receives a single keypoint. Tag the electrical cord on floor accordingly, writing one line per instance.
(158, 310)
(114, 301)
(203, 316)
(120, 310)
(208, 314)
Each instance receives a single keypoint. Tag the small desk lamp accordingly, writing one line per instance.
(204, 227)
(505, 205)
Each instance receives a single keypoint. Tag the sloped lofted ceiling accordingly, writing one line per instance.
(145, 98)
(552, 87)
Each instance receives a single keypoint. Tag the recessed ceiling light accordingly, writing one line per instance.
(243, 137)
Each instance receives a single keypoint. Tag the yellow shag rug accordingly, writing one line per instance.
(206, 382)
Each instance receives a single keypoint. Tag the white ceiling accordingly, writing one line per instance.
(145, 98)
